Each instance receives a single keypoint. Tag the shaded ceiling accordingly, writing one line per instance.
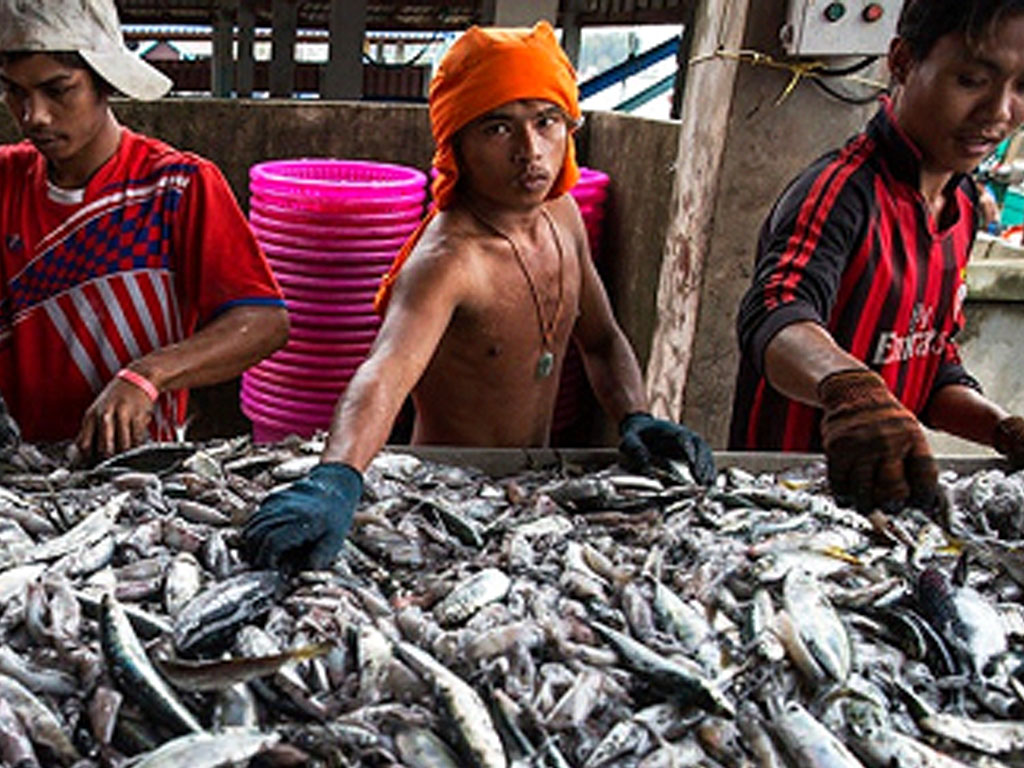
(417, 15)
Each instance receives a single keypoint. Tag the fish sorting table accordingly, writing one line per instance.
(507, 608)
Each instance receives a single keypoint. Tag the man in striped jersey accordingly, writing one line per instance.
(127, 271)
(847, 331)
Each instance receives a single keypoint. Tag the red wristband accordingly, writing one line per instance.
(139, 381)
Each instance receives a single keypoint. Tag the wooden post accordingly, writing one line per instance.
(571, 31)
(683, 60)
(284, 15)
(222, 77)
(487, 11)
(246, 43)
(524, 13)
(343, 73)
(706, 106)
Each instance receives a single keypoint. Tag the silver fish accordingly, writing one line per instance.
(471, 594)
(42, 725)
(209, 750)
(817, 623)
(214, 614)
(422, 748)
(809, 743)
(667, 676)
(464, 707)
(93, 528)
(135, 675)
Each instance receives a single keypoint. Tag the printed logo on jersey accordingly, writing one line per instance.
(922, 340)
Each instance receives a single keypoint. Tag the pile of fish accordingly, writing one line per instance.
(557, 617)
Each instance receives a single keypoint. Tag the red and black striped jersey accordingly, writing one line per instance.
(850, 245)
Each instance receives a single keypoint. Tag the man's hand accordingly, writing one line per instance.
(10, 435)
(647, 441)
(1008, 439)
(877, 451)
(305, 524)
(117, 420)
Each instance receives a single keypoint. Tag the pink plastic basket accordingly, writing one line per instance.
(329, 231)
(275, 210)
(338, 299)
(591, 177)
(343, 287)
(321, 334)
(343, 271)
(284, 393)
(320, 372)
(304, 411)
(281, 376)
(340, 325)
(329, 178)
(354, 313)
(282, 420)
(327, 243)
(326, 257)
(315, 362)
(341, 205)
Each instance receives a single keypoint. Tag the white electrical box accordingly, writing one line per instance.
(840, 27)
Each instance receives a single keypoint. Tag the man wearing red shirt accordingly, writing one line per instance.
(127, 271)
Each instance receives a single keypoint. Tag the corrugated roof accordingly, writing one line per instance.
(421, 14)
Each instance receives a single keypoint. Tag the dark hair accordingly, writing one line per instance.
(69, 59)
(923, 22)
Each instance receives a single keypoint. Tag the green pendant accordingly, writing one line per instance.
(545, 364)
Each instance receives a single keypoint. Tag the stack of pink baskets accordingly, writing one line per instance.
(590, 193)
(330, 229)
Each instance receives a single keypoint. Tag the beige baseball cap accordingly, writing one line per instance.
(88, 27)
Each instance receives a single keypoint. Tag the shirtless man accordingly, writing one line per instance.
(482, 302)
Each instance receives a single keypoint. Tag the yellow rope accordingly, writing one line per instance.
(798, 69)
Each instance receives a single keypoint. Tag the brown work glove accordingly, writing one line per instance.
(1008, 439)
(877, 452)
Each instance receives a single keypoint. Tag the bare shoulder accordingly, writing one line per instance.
(442, 259)
(567, 214)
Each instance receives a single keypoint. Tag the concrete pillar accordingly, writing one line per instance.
(285, 19)
(342, 76)
(222, 76)
(766, 145)
(523, 13)
(246, 42)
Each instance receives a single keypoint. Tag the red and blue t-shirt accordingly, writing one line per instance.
(152, 248)
(850, 245)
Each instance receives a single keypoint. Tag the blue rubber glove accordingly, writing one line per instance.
(305, 524)
(10, 435)
(647, 441)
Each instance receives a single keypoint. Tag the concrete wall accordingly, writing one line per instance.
(991, 343)
(767, 145)
(638, 154)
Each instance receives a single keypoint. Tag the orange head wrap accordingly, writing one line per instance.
(484, 69)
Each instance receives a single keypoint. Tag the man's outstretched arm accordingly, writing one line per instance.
(305, 524)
